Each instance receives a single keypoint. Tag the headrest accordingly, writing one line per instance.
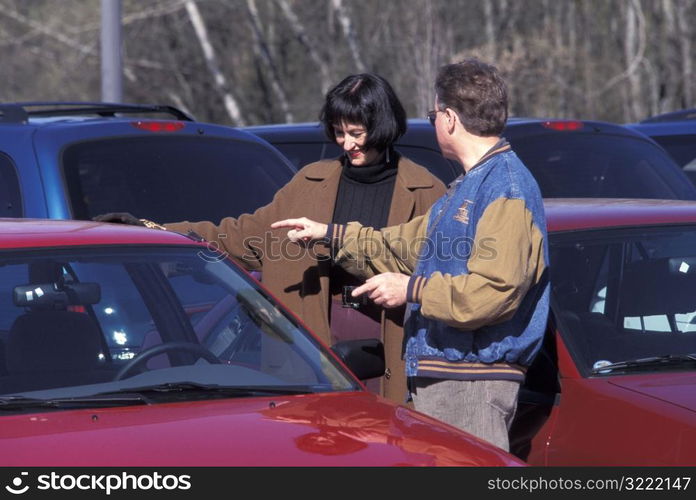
(658, 286)
(52, 340)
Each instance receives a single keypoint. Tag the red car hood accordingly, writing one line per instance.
(338, 429)
(675, 388)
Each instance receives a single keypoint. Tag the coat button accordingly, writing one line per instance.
(387, 373)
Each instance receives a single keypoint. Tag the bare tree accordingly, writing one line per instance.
(685, 34)
(231, 104)
(574, 58)
(301, 33)
(634, 48)
(491, 35)
(264, 54)
(347, 25)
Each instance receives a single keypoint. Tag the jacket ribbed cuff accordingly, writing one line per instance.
(414, 291)
(335, 234)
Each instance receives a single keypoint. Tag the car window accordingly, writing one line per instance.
(10, 198)
(680, 147)
(97, 318)
(170, 179)
(301, 154)
(603, 166)
(625, 294)
(437, 164)
(432, 160)
(9, 274)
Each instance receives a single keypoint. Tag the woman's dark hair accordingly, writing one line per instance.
(366, 99)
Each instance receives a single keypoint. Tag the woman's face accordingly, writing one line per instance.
(351, 137)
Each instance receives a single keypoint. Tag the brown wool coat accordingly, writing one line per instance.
(294, 275)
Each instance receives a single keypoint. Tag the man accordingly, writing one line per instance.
(477, 282)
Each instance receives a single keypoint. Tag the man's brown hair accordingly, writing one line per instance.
(477, 92)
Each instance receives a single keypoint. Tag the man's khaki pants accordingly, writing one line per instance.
(484, 408)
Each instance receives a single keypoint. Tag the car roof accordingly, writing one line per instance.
(674, 116)
(682, 122)
(36, 233)
(666, 128)
(569, 214)
(23, 112)
(314, 130)
(78, 114)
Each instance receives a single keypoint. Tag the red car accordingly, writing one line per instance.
(125, 346)
(615, 383)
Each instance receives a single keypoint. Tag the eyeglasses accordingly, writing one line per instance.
(432, 116)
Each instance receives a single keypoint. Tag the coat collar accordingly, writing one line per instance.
(409, 174)
(327, 173)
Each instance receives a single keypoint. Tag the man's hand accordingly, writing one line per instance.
(302, 229)
(386, 289)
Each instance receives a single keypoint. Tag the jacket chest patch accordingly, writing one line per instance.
(462, 214)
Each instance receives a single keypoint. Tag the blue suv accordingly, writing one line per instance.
(78, 160)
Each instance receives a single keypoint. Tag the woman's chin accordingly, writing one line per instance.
(357, 162)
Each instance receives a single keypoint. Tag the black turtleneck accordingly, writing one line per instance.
(365, 193)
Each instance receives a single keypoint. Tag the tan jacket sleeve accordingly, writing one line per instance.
(508, 258)
(241, 238)
(372, 251)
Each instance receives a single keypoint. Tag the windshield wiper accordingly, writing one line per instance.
(95, 401)
(665, 360)
(231, 390)
(148, 395)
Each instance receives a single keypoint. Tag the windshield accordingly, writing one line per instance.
(172, 178)
(622, 295)
(584, 165)
(100, 320)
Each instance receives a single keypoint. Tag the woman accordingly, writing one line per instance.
(370, 183)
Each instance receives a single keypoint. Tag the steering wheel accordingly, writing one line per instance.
(196, 349)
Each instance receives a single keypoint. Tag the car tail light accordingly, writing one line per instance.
(563, 125)
(159, 126)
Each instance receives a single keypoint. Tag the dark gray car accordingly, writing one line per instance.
(570, 159)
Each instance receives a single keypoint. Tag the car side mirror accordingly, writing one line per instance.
(364, 357)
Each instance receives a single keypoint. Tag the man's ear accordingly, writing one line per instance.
(451, 118)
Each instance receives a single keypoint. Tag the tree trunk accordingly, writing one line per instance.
(491, 45)
(667, 60)
(219, 79)
(634, 47)
(262, 51)
(301, 33)
(684, 31)
(347, 26)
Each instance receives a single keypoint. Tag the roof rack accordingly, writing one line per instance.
(674, 116)
(20, 112)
